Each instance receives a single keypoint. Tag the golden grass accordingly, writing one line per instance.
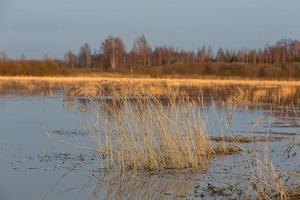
(232, 92)
(263, 94)
(170, 81)
(143, 134)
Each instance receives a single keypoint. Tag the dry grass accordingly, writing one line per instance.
(267, 94)
(232, 92)
(145, 134)
(174, 81)
(268, 183)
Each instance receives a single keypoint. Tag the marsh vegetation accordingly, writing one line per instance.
(154, 139)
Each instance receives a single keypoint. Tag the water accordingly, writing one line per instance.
(45, 155)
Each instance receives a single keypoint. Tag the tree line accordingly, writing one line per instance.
(280, 60)
(112, 55)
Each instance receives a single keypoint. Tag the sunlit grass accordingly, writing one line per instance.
(143, 133)
(239, 92)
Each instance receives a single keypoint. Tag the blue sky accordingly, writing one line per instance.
(36, 27)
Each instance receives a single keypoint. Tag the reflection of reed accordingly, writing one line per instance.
(143, 185)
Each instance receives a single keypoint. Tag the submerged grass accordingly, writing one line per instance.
(268, 184)
(245, 139)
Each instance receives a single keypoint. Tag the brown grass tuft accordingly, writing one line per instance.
(145, 134)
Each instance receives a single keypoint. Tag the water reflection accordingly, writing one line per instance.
(288, 109)
(145, 185)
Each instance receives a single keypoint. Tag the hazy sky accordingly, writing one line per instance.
(36, 27)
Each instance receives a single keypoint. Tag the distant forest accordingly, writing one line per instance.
(280, 60)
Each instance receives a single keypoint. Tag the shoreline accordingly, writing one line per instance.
(145, 80)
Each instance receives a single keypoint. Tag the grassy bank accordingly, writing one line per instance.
(225, 90)
(211, 81)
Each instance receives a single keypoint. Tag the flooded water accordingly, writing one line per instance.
(45, 154)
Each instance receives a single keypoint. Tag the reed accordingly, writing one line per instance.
(241, 92)
(268, 184)
(144, 133)
(264, 94)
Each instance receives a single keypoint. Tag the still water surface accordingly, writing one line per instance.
(64, 166)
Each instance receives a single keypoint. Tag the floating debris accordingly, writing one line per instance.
(75, 132)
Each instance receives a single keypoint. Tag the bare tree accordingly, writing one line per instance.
(23, 57)
(209, 54)
(70, 59)
(84, 57)
(141, 50)
(221, 57)
(3, 55)
(113, 50)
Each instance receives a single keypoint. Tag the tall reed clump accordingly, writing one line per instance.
(142, 132)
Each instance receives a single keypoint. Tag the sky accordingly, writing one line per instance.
(52, 27)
